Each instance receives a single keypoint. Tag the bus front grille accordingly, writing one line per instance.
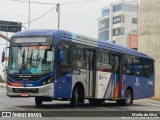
(23, 90)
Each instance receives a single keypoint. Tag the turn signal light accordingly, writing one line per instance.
(16, 84)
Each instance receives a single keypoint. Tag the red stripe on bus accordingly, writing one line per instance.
(116, 93)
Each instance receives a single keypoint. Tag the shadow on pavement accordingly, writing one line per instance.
(66, 106)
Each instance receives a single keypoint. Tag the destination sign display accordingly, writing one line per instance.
(31, 40)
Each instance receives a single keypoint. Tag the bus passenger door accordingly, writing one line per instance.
(116, 83)
(91, 73)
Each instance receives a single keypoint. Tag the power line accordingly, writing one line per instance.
(78, 2)
(88, 1)
(40, 16)
(32, 2)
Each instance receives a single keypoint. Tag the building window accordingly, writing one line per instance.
(117, 19)
(105, 12)
(118, 31)
(104, 35)
(130, 7)
(117, 7)
(134, 20)
(104, 24)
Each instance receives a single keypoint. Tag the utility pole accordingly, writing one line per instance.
(58, 10)
(29, 14)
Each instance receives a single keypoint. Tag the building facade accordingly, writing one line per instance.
(149, 35)
(118, 20)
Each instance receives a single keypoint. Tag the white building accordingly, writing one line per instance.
(119, 18)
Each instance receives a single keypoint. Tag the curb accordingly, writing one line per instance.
(155, 98)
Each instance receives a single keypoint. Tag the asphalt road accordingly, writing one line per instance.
(27, 104)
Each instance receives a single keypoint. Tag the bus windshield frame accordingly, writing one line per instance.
(31, 58)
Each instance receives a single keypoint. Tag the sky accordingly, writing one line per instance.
(79, 18)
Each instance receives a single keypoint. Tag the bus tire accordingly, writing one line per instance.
(128, 99)
(74, 99)
(96, 101)
(38, 101)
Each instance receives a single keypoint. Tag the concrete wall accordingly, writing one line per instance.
(122, 40)
(133, 41)
(149, 34)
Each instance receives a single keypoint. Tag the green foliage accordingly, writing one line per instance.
(1, 80)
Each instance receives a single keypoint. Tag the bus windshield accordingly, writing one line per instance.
(31, 60)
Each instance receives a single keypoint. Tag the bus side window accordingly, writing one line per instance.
(64, 65)
(64, 57)
(138, 67)
(103, 62)
(148, 68)
(129, 66)
(78, 58)
(151, 70)
(117, 64)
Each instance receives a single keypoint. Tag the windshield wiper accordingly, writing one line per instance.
(23, 59)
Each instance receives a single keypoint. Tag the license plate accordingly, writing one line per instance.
(24, 94)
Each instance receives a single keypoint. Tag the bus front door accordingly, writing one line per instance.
(91, 73)
(116, 64)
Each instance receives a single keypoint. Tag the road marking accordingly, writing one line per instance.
(148, 103)
(16, 108)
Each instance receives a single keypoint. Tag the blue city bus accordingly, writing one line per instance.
(60, 65)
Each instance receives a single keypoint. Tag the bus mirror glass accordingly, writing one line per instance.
(3, 56)
(76, 72)
(61, 56)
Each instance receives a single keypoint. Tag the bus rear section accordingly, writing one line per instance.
(99, 74)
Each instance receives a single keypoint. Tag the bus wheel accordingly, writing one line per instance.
(38, 101)
(95, 101)
(128, 99)
(74, 99)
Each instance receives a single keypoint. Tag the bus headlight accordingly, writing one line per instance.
(47, 81)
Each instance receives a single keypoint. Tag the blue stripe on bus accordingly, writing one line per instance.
(140, 86)
(33, 83)
(63, 87)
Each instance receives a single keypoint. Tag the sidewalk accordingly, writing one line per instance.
(156, 98)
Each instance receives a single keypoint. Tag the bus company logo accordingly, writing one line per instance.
(137, 82)
(24, 76)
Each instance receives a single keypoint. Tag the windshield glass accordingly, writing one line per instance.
(31, 60)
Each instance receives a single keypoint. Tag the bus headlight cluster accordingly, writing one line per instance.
(47, 81)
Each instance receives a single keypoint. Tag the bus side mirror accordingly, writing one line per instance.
(61, 56)
(3, 56)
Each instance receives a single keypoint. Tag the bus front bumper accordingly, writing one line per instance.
(43, 91)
